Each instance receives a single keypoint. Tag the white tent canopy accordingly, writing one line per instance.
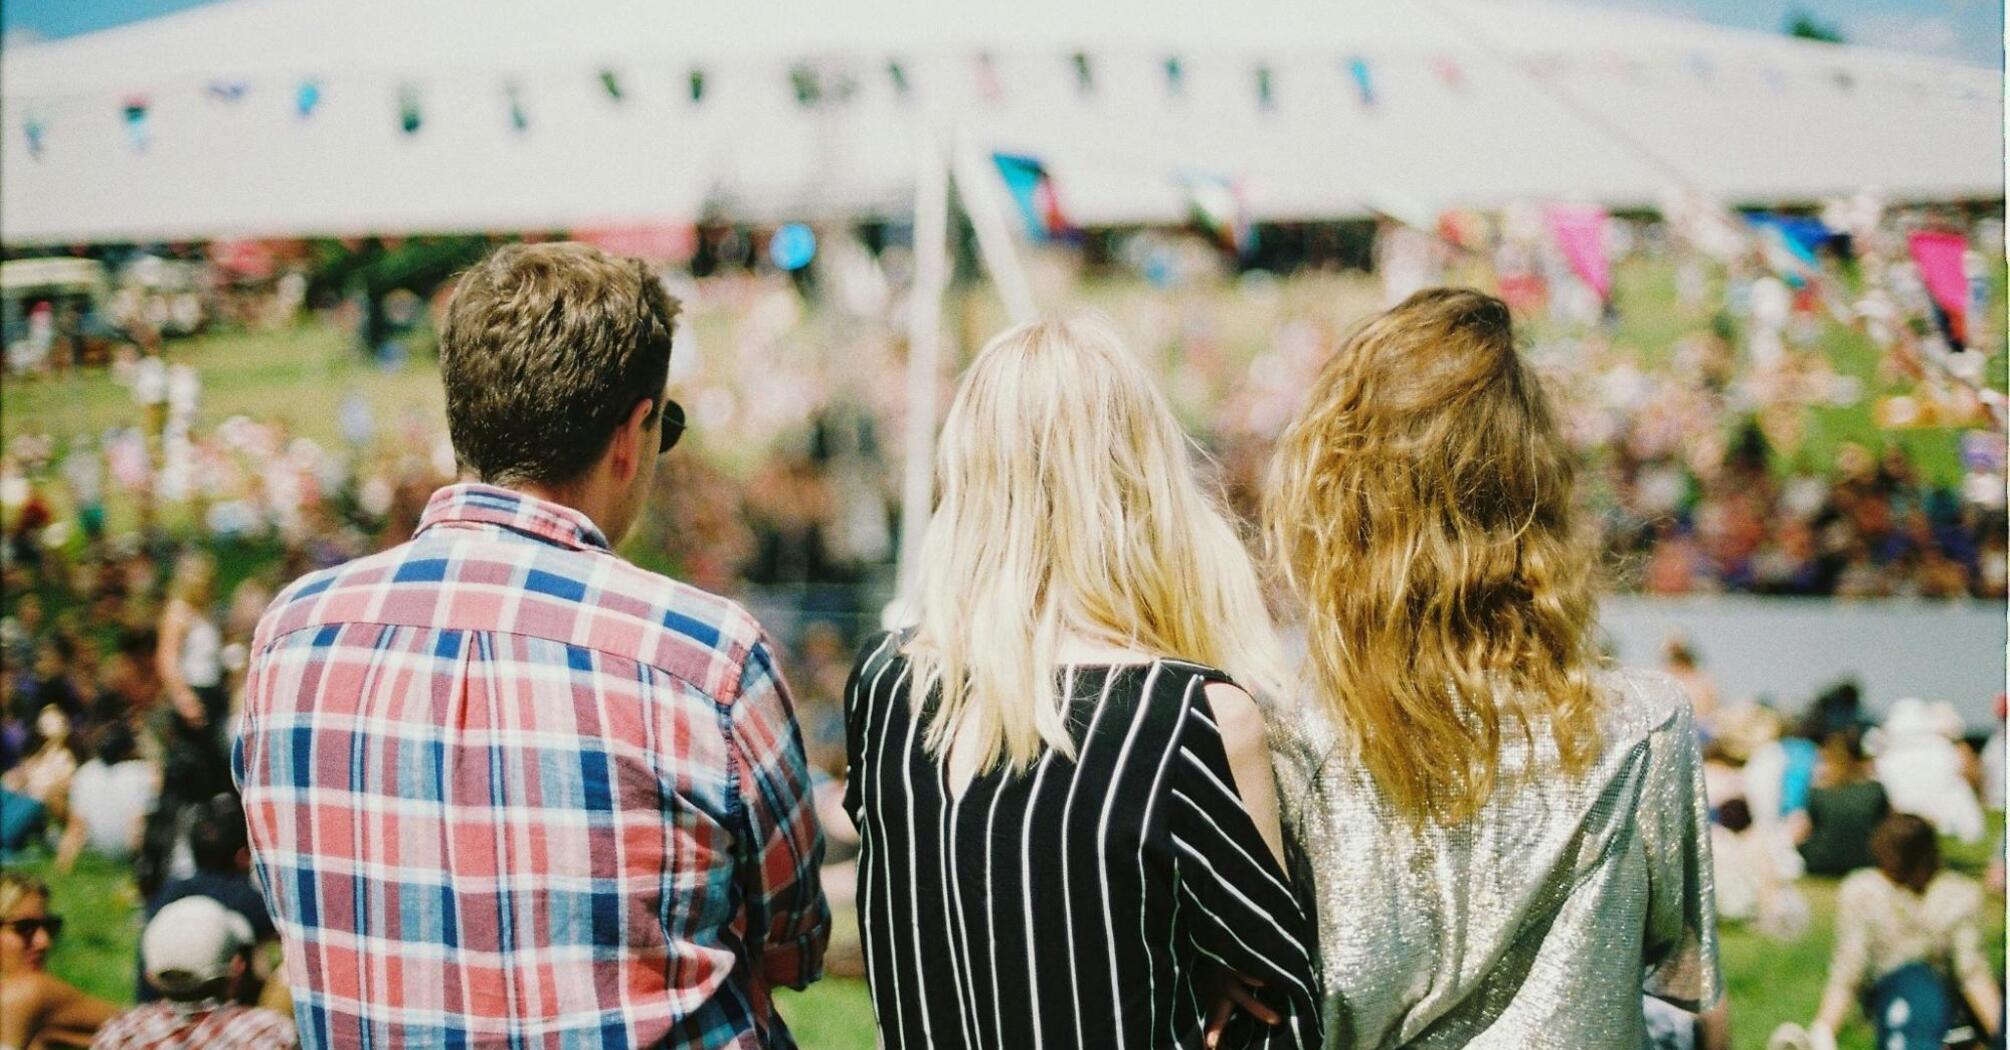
(1474, 103)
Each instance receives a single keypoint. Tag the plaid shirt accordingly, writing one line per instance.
(209, 1025)
(508, 790)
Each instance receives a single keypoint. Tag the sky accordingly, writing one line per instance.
(1967, 30)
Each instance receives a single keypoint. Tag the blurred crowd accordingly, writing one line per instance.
(137, 558)
(1839, 795)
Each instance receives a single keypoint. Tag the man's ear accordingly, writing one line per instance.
(628, 446)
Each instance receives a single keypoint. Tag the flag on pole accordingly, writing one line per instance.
(1032, 189)
(1789, 243)
(1579, 230)
(1940, 256)
(1218, 206)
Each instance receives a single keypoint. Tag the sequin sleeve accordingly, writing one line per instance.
(1680, 950)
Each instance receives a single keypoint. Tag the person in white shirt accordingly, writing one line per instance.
(110, 797)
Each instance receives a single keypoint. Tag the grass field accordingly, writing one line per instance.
(1769, 982)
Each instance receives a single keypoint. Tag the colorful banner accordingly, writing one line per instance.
(1032, 190)
(1939, 256)
(1579, 230)
(1217, 205)
(1790, 244)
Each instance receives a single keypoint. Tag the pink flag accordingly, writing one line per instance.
(1938, 256)
(1579, 230)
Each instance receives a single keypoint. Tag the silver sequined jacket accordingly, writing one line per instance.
(1540, 923)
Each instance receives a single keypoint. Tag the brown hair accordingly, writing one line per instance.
(1420, 509)
(545, 350)
(1905, 848)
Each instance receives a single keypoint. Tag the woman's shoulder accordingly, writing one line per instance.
(1954, 893)
(880, 650)
(1639, 703)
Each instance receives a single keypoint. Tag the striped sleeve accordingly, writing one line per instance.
(1240, 907)
(857, 701)
(782, 843)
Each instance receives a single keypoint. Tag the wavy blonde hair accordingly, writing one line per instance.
(1420, 510)
(1068, 501)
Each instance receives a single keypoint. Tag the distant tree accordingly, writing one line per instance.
(1803, 24)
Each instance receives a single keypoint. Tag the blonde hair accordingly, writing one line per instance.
(1068, 501)
(1420, 510)
(194, 579)
(16, 888)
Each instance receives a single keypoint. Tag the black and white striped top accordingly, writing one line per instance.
(1068, 905)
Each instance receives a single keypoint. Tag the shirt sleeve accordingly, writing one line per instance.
(781, 844)
(1680, 962)
(1970, 962)
(871, 657)
(1237, 905)
(1849, 964)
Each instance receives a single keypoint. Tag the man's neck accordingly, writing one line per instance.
(581, 498)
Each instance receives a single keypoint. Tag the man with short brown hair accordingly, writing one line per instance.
(505, 788)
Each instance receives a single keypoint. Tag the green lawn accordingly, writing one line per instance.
(1769, 982)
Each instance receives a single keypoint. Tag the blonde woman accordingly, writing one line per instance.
(1068, 821)
(189, 659)
(1510, 841)
(38, 1010)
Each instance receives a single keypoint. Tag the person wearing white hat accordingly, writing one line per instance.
(196, 955)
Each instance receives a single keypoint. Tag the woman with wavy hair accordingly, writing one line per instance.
(1067, 815)
(1506, 835)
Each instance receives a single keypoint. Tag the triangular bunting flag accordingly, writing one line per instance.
(1032, 189)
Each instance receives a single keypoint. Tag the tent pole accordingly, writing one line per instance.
(924, 356)
(977, 187)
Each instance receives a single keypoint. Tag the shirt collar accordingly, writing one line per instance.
(543, 520)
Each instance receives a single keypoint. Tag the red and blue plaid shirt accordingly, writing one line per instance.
(507, 790)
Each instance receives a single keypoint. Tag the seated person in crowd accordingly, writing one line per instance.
(222, 856)
(1909, 948)
(1751, 887)
(110, 797)
(201, 964)
(38, 1011)
(1844, 807)
(44, 775)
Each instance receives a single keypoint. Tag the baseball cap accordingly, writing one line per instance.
(191, 943)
